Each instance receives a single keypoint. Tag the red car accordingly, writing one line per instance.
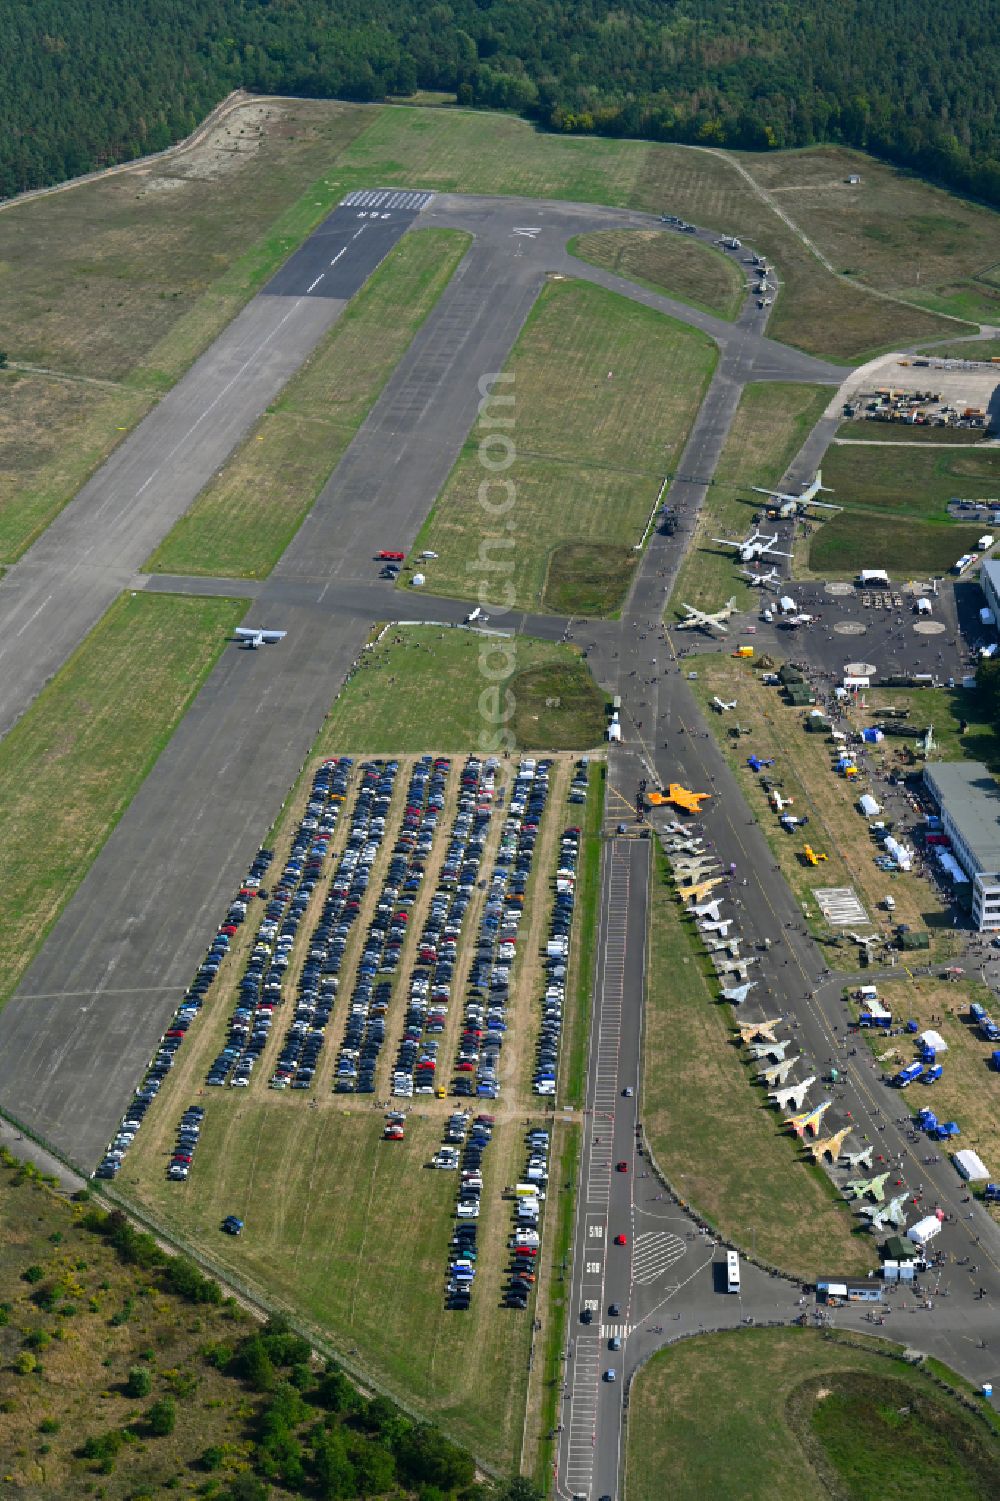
(389, 557)
(622, 1167)
(621, 1240)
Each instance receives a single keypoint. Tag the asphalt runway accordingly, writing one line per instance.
(94, 1003)
(339, 256)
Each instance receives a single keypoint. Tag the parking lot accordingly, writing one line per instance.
(396, 959)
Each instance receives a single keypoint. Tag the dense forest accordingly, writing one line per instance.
(89, 82)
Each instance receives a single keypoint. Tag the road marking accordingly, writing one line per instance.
(316, 283)
(655, 1252)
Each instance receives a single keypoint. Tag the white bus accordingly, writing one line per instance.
(732, 1271)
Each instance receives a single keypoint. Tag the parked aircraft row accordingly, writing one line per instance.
(700, 882)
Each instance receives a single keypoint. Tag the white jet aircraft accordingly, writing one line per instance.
(737, 994)
(721, 705)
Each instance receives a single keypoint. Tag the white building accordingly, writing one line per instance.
(989, 581)
(968, 799)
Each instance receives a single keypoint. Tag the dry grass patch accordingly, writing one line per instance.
(39, 469)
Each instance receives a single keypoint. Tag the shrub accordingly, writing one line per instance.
(139, 1383)
(33, 1274)
(102, 1446)
(49, 1425)
(37, 1339)
(25, 1363)
(162, 1417)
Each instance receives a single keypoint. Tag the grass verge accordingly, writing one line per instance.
(425, 687)
(245, 517)
(718, 1142)
(71, 765)
(832, 1417)
(605, 392)
(685, 269)
(548, 1381)
(770, 426)
(574, 1066)
(913, 482)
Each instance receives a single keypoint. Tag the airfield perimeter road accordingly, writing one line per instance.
(93, 1004)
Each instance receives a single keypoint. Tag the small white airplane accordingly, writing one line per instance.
(771, 579)
(706, 909)
(252, 639)
(779, 803)
(737, 994)
(706, 620)
(721, 706)
(866, 940)
(754, 546)
(791, 504)
(717, 925)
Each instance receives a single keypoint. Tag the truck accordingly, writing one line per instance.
(931, 1075)
(907, 1075)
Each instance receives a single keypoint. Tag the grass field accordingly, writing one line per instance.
(913, 482)
(879, 486)
(892, 230)
(591, 451)
(831, 1418)
(71, 765)
(667, 263)
(945, 708)
(836, 828)
(771, 423)
(352, 1233)
(245, 517)
(982, 349)
(53, 433)
(722, 1148)
(424, 687)
(861, 539)
(899, 432)
(463, 151)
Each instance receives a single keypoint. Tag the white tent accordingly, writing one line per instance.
(924, 1230)
(868, 806)
(970, 1164)
(948, 863)
(931, 1039)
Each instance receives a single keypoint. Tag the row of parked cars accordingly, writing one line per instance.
(188, 1134)
(578, 785)
(525, 1240)
(464, 1248)
(161, 1064)
(556, 962)
(429, 993)
(319, 977)
(260, 988)
(477, 1066)
(364, 1031)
